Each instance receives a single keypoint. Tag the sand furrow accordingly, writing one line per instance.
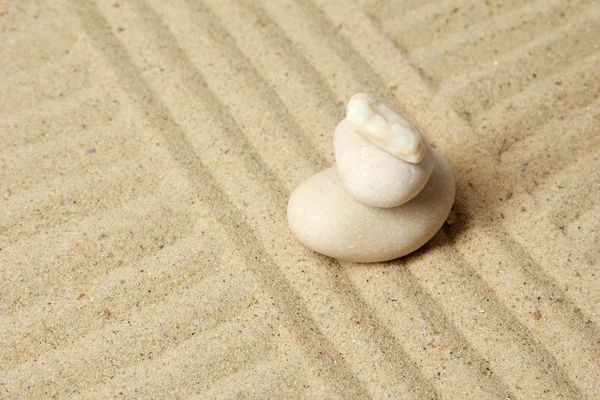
(381, 11)
(41, 207)
(553, 140)
(573, 251)
(121, 347)
(78, 156)
(427, 24)
(518, 117)
(219, 353)
(29, 42)
(149, 278)
(307, 40)
(530, 295)
(31, 124)
(438, 345)
(490, 324)
(84, 251)
(478, 89)
(274, 378)
(250, 39)
(278, 131)
(455, 53)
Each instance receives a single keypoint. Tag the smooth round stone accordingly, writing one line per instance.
(328, 220)
(372, 175)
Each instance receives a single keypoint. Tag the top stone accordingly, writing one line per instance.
(371, 172)
(384, 128)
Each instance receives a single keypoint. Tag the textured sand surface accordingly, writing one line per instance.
(147, 152)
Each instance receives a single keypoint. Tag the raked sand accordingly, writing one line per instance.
(148, 150)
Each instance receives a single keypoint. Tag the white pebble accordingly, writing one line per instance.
(374, 176)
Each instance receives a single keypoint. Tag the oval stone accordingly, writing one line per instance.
(372, 175)
(328, 220)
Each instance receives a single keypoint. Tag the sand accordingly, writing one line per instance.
(148, 150)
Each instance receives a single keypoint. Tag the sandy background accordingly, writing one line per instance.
(147, 152)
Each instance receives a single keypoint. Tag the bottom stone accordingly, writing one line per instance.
(328, 220)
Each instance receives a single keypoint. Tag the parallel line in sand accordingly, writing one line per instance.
(25, 271)
(589, 331)
(558, 189)
(259, 383)
(392, 353)
(145, 317)
(58, 303)
(420, 318)
(152, 373)
(353, 61)
(43, 111)
(250, 345)
(117, 274)
(305, 132)
(516, 349)
(524, 338)
(400, 47)
(89, 220)
(539, 102)
(540, 174)
(553, 141)
(93, 216)
(587, 184)
(302, 325)
(221, 35)
(500, 34)
(327, 99)
(479, 88)
(23, 219)
(541, 178)
(502, 21)
(423, 21)
(334, 34)
(63, 158)
(518, 266)
(249, 51)
(407, 6)
(304, 145)
(463, 128)
(127, 278)
(250, 338)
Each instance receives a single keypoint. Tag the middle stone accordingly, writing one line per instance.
(373, 176)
